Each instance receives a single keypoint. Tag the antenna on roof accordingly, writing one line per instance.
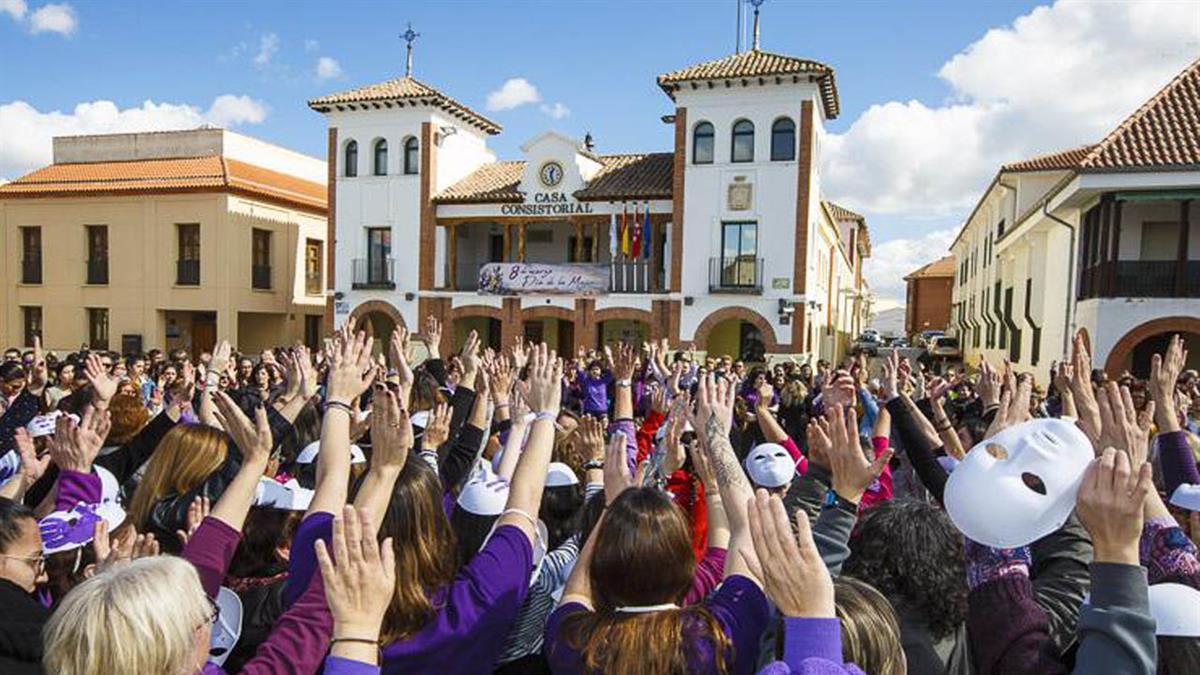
(408, 36)
(757, 4)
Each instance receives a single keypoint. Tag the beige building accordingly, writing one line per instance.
(161, 240)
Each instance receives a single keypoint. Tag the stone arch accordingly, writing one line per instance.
(642, 316)
(476, 310)
(1131, 339)
(742, 314)
(361, 311)
(548, 312)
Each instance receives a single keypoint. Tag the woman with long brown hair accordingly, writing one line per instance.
(620, 611)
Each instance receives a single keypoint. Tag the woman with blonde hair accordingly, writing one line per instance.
(870, 631)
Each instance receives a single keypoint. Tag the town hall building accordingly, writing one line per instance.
(724, 243)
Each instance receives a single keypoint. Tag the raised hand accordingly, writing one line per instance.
(839, 392)
(220, 358)
(1086, 405)
(391, 431)
(433, 336)
(1122, 426)
(891, 371)
(1014, 406)
(1164, 374)
(309, 380)
(437, 427)
(790, 567)
(129, 546)
(624, 362)
(360, 586)
(501, 373)
(198, 510)
(252, 438)
(350, 368)
(39, 375)
(714, 406)
(617, 478)
(74, 446)
(520, 353)
(544, 389)
(1110, 503)
(591, 436)
(104, 385)
(989, 385)
(852, 473)
(469, 356)
(32, 468)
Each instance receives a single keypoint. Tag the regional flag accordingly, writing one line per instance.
(636, 234)
(647, 234)
(612, 237)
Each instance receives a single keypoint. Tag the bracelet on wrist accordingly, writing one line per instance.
(338, 405)
(546, 416)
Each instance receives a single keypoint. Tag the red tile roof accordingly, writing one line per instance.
(211, 173)
(630, 176)
(1164, 132)
(943, 267)
(760, 65)
(1055, 161)
(843, 213)
(399, 92)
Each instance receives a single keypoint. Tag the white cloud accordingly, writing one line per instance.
(1058, 77)
(268, 45)
(311, 45)
(328, 68)
(891, 260)
(14, 8)
(516, 91)
(54, 18)
(26, 133)
(557, 111)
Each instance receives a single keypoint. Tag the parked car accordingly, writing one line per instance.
(868, 343)
(945, 348)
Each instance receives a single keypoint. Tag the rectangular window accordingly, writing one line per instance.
(187, 272)
(31, 255)
(312, 331)
(97, 328)
(314, 254)
(379, 252)
(32, 319)
(587, 249)
(739, 254)
(97, 248)
(260, 254)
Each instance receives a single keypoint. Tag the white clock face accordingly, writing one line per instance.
(551, 174)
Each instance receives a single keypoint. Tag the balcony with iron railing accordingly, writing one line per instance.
(97, 272)
(1141, 279)
(260, 277)
(187, 272)
(31, 270)
(374, 273)
(735, 275)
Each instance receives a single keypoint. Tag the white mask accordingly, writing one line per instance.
(1173, 607)
(770, 466)
(1019, 485)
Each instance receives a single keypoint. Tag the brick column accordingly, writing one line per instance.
(679, 164)
(585, 323)
(511, 325)
(803, 197)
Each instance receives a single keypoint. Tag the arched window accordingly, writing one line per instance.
(410, 155)
(381, 157)
(743, 141)
(702, 143)
(783, 140)
(351, 160)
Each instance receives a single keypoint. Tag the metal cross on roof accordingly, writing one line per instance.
(409, 36)
(756, 4)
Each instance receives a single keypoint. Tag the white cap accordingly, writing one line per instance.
(485, 493)
(309, 454)
(110, 489)
(560, 475)
(1019, 485)
(69, 530)
(228, 627)
(1176, 610)
(289, 496)
(1187, 496)
(770, 465)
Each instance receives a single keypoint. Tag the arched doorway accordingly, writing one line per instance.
(623, 324)
(553, 325)
(737, 332)
(377, 319)
(1135, 349)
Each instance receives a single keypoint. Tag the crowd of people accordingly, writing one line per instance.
(634, 509)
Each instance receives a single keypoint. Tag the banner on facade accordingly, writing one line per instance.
(537, 278)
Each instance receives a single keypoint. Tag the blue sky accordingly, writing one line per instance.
(599, 60)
